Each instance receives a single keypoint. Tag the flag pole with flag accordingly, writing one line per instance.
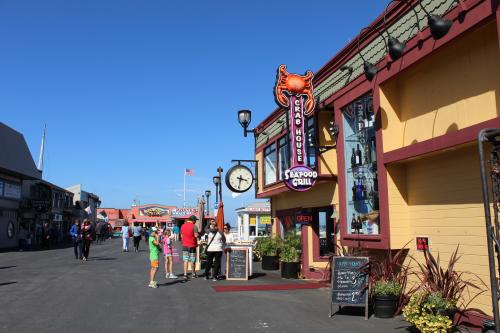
(187, 172)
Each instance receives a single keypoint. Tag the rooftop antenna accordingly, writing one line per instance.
(42, 150)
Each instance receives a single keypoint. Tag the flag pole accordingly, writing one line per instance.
(184, 205)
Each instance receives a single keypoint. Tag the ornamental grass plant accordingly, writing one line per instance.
(439, 292)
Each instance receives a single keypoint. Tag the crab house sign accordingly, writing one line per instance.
(296, 93)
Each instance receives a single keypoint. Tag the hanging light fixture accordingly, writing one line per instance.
(439, 26)
(369, 68)
(396, 47)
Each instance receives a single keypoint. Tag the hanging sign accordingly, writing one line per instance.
(296, 92)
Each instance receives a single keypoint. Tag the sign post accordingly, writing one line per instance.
(349, 283)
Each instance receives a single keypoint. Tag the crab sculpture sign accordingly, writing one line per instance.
(296, 93)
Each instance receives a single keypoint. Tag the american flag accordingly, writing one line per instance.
(189, 172)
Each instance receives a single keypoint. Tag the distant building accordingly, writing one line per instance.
(16, 165)
(86, 203)
(254, 220)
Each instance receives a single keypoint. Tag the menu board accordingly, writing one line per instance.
(237, 264)
(349, 281)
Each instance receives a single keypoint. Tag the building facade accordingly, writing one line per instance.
(405, 166)
(86, 203)
(16, 166)
(254, 220)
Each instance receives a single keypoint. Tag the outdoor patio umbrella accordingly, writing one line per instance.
(201, 210)
(220, 217)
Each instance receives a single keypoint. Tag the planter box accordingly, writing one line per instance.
(270, 263)
(290, 270)
(385, 306)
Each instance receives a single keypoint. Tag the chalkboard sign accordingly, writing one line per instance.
(237, 264)
(349, 282)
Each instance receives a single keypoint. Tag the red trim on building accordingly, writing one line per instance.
(442, 142)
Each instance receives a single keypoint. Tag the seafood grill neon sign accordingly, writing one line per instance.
(296, 92)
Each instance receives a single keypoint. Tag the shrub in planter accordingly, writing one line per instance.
(433, 305)
(386, 296)
(267, 248)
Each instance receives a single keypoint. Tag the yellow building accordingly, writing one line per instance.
(405, 163)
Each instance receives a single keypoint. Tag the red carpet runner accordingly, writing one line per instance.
(270, 287)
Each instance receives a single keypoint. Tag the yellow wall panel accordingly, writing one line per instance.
(441, 195)
(452, 89)
(322, 194)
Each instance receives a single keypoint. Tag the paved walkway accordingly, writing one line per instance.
(49, 291)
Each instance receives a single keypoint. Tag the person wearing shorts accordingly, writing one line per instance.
(154, 256)
(167, 252)
(189, 237)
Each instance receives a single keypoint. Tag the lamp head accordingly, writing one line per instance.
(439, 26)
(216, 180)
(396, 48)
(370, 70)
(244, 118)
(207, 193)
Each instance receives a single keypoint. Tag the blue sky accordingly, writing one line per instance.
(133, 92)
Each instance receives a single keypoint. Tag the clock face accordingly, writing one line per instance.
(239, 179)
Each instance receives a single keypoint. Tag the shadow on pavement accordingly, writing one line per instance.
(257, 275)
(7, 283)
(170, 283)
(100, 259)
(6, 267)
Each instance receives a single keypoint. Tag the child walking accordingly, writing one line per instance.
(154, 252)
(167, 252)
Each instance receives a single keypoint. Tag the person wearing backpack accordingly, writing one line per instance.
(216, 241)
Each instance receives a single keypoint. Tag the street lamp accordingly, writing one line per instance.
(244, 118)
(219, 171)
(217, 183)
(207, 194)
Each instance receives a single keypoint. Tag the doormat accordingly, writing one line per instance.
(267, 287)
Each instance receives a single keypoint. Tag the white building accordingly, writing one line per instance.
(88, 202)
(254, 220)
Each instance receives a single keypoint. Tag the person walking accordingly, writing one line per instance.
(98, 232)
(175, 230)
(87, 234)
(125, 235)
(189, 237)
(136, 232)
(154, 256)
(76, 238)
(168, 252)
(216, 241)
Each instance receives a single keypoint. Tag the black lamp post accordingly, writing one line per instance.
(219, 172)
(244, 118)
(207, 194)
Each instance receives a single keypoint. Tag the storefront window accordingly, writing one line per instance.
(361, 167)
(325, 232)
(283, 156)
(311, 142)
(270, 164)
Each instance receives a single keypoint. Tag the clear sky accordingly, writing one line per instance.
(134, 91)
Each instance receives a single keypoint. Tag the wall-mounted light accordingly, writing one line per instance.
(438, 25)
(369, 68)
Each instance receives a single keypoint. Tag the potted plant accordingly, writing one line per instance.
(386, 296)
(439, 293)
(267, 248)
(387, 280)
(289, 256)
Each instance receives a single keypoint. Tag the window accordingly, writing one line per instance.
(283, 156)
(326, 233)
(270, 164)
(360, 158)
(311, 142)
